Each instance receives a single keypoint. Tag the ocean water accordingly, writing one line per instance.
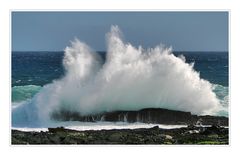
(40, 68)
(122, 78)
(32, 70)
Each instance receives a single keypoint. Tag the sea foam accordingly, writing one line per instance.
(130, 79)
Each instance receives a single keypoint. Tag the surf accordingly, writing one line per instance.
(131, 78)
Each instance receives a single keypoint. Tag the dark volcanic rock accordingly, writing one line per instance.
(154, 135)
(149, 115)
(214, 120)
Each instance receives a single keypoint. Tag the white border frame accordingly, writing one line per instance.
(171, 5)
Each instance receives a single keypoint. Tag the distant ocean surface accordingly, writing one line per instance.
(32, 70)
(40, 68)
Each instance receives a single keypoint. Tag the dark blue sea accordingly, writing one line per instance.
(40, 68)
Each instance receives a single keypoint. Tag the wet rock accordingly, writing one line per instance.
(214, 120)
(212, 130)
(147, 115)
(55, 130)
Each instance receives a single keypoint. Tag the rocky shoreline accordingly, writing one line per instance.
(191, 135)
(195, 133)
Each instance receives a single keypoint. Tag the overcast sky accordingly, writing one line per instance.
(184, 31)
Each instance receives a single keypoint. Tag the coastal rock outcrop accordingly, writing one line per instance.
(148, 115)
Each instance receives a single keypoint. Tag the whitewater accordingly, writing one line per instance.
(131, 78)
